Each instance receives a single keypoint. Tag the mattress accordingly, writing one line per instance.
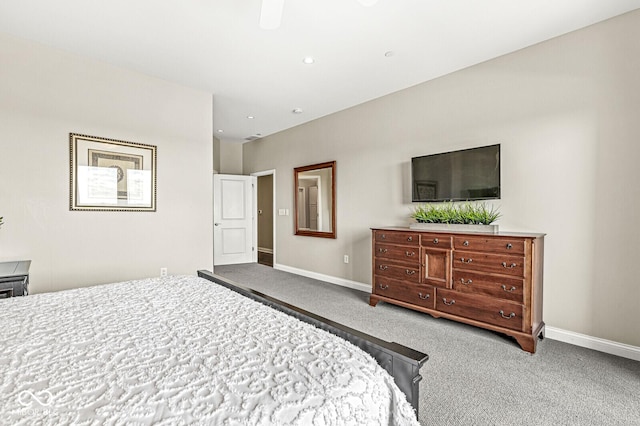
(181, 350)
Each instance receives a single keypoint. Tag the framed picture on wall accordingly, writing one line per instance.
(111, 175)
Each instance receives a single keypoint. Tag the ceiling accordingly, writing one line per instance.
(360, 53)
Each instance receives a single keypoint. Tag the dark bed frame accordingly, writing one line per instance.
(401, 362)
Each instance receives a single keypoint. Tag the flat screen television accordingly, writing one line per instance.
(469, 174)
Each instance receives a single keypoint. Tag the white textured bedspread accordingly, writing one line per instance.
(181, 350)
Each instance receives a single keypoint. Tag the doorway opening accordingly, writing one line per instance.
(265, 214)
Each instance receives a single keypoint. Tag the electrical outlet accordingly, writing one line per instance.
(163, 272)
(346, 258)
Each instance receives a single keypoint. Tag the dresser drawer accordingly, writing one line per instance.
(487, 285)
(492, 263)
(493, 311)
(409, 273)
(494, 245)
(402, 253)
(405, 238)
(436, 241)
(416, 294)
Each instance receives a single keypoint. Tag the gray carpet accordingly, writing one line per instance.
(473, 376)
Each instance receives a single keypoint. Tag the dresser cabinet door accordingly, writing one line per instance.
(436, 266)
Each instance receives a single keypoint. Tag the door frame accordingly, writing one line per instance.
(273, 206)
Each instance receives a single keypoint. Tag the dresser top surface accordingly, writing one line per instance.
(14, 269)
(480, 234)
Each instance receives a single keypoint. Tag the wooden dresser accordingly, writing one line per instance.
(493, 281)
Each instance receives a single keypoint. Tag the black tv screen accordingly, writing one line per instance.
(470, 174)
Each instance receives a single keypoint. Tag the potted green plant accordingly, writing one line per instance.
(477, 217)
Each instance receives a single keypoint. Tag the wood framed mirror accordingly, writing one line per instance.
(315, 200)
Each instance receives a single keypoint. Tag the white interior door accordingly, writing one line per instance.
(234, 230)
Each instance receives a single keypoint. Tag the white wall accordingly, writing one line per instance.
(231, 158)
(566, 113)
(44, 95)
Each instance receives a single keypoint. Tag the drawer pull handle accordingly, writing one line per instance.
(435, 241)
(467, 282)
(383, 267)
(463, 260)
(504, 265)
(383, 287)
(466, 243)
(509, 246)
(511, 315)
(410, 239)
(410, 272)
(504, 287)
(425, 297)
(382, 250)
(444, 300)
(383, 237)
(410, 253)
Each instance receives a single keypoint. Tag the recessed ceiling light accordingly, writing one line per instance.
(297, 110)
(220, 131)
(308, 60)
(250, 117)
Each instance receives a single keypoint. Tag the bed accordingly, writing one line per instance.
(193, 350)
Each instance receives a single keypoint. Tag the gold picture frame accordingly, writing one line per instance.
(111, 175)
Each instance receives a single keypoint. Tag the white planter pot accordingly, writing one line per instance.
(490, 229)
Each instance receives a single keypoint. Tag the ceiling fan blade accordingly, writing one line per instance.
(271, 14)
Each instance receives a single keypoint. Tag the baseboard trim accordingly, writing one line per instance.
(322, 277)
(595, 343)
(265, 250)
(553, 333)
